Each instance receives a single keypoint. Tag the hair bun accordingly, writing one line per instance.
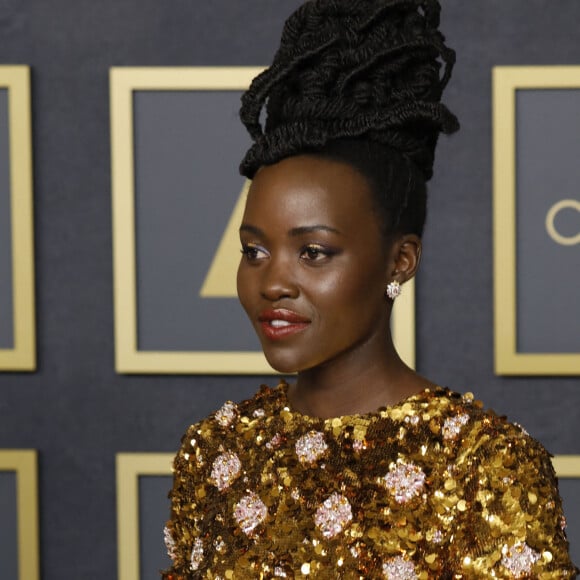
(353, 68)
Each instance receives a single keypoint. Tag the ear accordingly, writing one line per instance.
(405, 258)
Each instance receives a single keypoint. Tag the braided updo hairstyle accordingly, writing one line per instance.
(358, 81)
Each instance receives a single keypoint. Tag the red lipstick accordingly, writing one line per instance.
(279, 323)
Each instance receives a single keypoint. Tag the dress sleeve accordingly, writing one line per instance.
(513, 526)
(181, 531)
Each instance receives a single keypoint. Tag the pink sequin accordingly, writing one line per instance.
(519, 559)
(169, 543)
(250, 512)
(225, 469)
(196, 554)
(275, 442)
(311, 446)
(399, 569)
(453, 425)
(227, 414)
(333, 515)
(405, 481)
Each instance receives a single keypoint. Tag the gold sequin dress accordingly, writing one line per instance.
(433, 487)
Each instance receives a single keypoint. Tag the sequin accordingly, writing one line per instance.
(196, 554)
(280, 513)
(250, 512)
(227, 414)
(333, 515)
(405, 481)
(225, 470)
(563, 523)
(519, 559)
(311, 446)
(399, 569)
(522, 429)
(275, 442)
(169, 542)
(452, 426)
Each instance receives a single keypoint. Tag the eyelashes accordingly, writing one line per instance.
(307, 253)
(315, 252)
(253, 253)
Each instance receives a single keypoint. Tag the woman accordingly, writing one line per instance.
(361, 468)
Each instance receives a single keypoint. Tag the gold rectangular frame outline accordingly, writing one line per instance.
(567, 466)
(128, 359)
(16, 79)
(506, 81)
(24, 463)
(131, 466)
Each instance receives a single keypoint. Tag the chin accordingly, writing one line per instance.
(285, 363)
(283, 366)
(288, 363)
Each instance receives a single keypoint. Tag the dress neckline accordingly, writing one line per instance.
(383, 411)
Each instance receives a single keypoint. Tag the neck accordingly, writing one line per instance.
(355, 385)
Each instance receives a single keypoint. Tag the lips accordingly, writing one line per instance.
(281, 323)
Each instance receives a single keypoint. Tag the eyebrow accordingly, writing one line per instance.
(301, 230)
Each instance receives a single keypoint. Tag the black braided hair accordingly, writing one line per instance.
(358, 81)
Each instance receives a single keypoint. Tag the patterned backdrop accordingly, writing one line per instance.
(80, 414)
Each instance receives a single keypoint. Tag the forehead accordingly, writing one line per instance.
(310, 189)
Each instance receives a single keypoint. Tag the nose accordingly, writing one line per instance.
(278, 280)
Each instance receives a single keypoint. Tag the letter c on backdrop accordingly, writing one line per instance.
(551, 217)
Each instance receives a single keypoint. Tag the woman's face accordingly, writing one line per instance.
(314, 265)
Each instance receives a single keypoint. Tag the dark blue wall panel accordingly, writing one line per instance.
(153, 514)
(8, 526)
(6, 299)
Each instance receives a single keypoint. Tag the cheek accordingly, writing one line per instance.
(353, 293)
(243, 285)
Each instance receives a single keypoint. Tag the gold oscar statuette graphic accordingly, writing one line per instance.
(220, 281)
(564, 204)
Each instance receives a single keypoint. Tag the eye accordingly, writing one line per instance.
(253, 253)
(315, 253)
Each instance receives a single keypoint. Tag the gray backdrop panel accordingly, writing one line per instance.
(8, 526)
(76, 410)
(153, 513)
(548, 150)
(6, 303)
(188, 145)
(570, 491)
